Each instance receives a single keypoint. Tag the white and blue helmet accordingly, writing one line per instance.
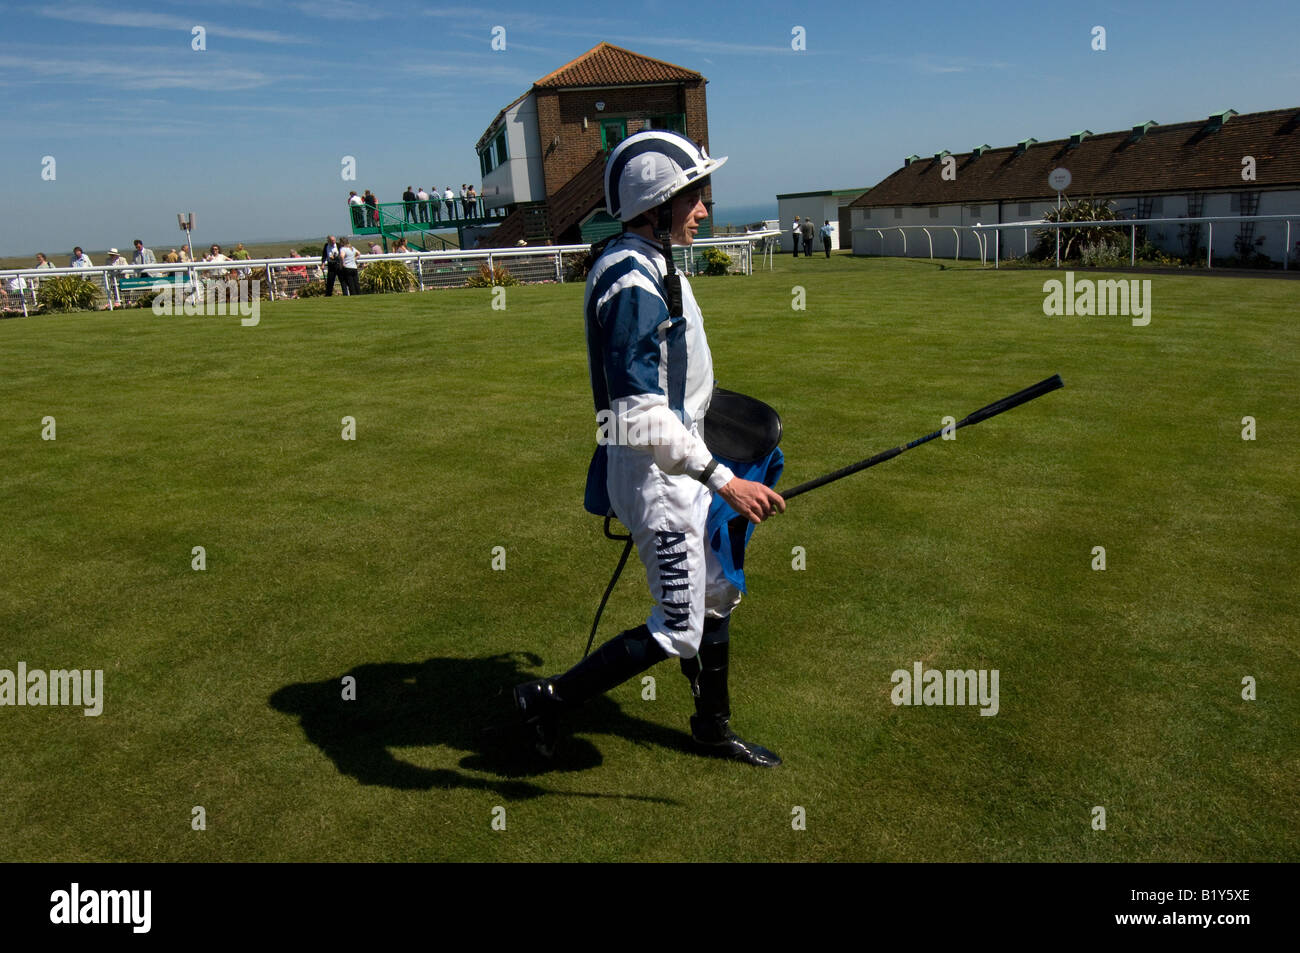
(649, 168)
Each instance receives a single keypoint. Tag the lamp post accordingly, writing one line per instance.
(186, 222)
(1058, 179)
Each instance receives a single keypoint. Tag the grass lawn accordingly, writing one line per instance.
(374, 558)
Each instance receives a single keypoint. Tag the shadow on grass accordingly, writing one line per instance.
(462, 704)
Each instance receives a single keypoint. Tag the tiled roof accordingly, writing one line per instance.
(1147, 159)
(608, 65)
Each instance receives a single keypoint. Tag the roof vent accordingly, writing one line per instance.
(1078, 137)
(980, 150)
(910, 159)
(1216, 121)
(1141, 130)
(1023, 145)
(938, 156)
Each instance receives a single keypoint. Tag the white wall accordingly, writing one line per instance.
(817, 207)
(1012, 244)
(519, 178)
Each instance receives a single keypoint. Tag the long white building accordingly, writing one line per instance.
(1227, 164)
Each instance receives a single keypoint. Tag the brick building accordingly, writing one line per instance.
(543, 156)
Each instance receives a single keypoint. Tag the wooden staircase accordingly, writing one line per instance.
(556, 221)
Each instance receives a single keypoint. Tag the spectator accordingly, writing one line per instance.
(41, 262)
(172, 257)
(401, 247)
(80, 259)
(808, 232)
(299, 270)
(185, 253)
(408, 197)
(348, 265)
(355, 203)
(796, 233)
(372, 206)
(826, 237)
(472, 196)
(144, 256)
(375, 249)
(114, 258)
(464, 201)
(423, 198)
(435, 206)
(241, 254)
(329, 257)
(450, 199)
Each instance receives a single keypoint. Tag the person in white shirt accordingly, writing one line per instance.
(450, 198)
(348, 266)
(329, 257)
(796, 235)
(354, 206)
(422, 209)
(80, 259)
(214, 254)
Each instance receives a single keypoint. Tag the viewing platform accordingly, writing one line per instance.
(419, 222)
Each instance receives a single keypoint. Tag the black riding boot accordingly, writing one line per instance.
(541, 702)
(710, 724)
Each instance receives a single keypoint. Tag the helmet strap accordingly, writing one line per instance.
(672, 280)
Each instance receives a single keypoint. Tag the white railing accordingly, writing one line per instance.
(1131, 223)
(926, 229)
(286, 277)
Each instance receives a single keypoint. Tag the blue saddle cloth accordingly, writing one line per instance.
(726, 540)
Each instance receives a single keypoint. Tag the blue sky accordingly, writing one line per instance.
(249, 133)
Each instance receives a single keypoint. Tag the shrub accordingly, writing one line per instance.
(383, 277)
(67, 293)
(146, 300)
(716, 261)
(1149, 252)
(499, 275)
(312, 289)
(578, 267)
(1101, 255)
(1074, 239)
